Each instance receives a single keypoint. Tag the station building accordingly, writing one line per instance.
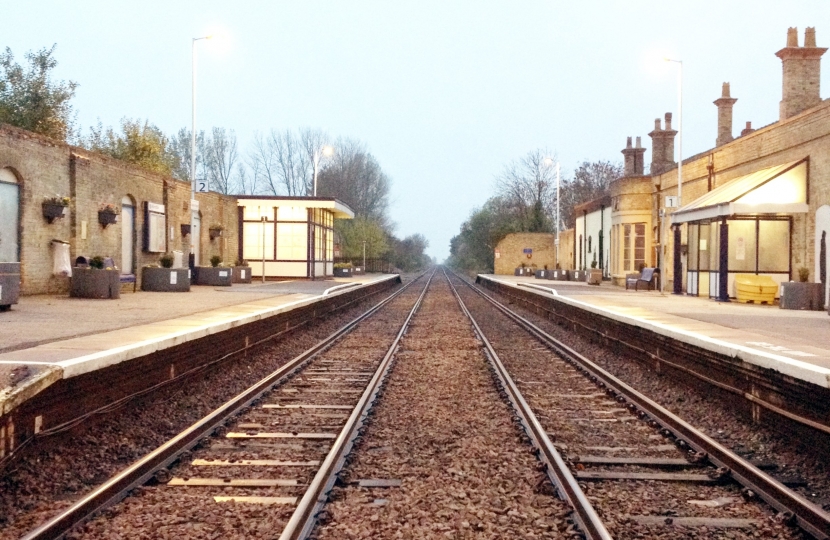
(757, 204)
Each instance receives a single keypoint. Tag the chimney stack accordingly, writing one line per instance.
(724, 104)
(802, 73)
(633, 157)
(747, 130)
(662, 146)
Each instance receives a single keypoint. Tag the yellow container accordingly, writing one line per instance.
(755, 289)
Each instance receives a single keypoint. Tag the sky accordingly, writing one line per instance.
(443, 93)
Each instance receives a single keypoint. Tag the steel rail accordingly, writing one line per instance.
(138, 473)
(809, 517)
(304, 518)
(566, 485)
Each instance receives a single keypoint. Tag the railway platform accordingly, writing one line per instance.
(46, 339)
(793, 343)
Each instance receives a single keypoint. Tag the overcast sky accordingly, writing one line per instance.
(444, 93)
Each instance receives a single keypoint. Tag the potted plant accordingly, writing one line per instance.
(342, 269)
(99, 279)
(185, 229)
(163, 277)
(802, 294)
(215, 231)
(241, 272)
(107, 214)
(594, 276)
(214, 275)
(54, 207)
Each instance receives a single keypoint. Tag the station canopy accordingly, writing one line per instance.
(776, 190)
(337, 207)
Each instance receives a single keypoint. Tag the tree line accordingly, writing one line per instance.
(525, 201)
(279, 162)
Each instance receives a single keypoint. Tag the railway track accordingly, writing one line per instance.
(269, 460)
(644, 471)
(259, 451)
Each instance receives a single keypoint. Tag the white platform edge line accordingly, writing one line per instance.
(754, 356)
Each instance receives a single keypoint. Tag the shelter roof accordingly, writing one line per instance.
(781, 189)
(340, 209)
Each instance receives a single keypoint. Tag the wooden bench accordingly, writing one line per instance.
(128, 278)
(647, 276)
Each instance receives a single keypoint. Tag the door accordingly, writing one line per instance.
(9, 217)
(127, 235)
(197, 237)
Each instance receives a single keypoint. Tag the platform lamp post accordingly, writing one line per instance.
(325, 151)
(193, 144)
(549, 161)
(677, 269)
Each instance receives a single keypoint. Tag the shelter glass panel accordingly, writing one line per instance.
(292, 241)
(714, 246)
(256, 213)
(694, 245)
(774, 237)
(742, 245)
(252, 234)
(292, 213)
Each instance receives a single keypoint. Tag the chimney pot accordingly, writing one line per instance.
(628, 143)
(747, 130)
(657, 125)
(668, 121)
(725, 90)
(724, 105)
(792, 37)
(810, 37)
(639, 145)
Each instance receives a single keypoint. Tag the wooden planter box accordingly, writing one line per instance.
(165, 279)
(53, 211)
(9, 284)
(241, 274)
(342, 272)
(219, 276)
(94, 283)
(798, 295)
(593, 276)
(107, 218)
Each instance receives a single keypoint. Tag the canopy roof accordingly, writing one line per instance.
(339, 208)
(776, 190)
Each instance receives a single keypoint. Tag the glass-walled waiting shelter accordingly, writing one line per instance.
(289, 236)
(742, 227)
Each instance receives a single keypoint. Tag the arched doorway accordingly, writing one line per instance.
(127, 235)
(822, 257)
(9, 216)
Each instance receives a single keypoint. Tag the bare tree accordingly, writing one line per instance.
(591, 181)
(355, 177)
(263, 164)
(180, 147)
(248, 180)
(313, 142)
(220, 156)
(528, 186)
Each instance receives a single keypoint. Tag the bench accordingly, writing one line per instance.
(128, 278)
(647, 276)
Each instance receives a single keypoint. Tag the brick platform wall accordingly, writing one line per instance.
(511, 248)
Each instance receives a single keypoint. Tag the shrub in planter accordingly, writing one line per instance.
(54, 207)
(166, 261)
(241, 272)
(95, 281)
(107, 215)
(802, 294)
(215, 275)
(215, 231)
(215, 261)
(342, 269)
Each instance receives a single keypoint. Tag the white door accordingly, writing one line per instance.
(127, 234)
(197, 238)
(9, 218)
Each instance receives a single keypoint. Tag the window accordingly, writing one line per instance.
(742, 245)
(634, 246)
(627, 247)
(253, 238)
(292, 213)
(639, 245)
(292, 241)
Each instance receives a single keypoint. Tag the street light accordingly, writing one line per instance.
(549, 161)
(326, 151)
(678, 280)
(193, 145)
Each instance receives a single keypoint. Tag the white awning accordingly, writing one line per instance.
(776, 190)
(337, 207)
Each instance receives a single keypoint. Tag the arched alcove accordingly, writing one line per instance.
(9, 215)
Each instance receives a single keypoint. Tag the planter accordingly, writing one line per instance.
(215, 276)
(342, 272)
(561, 275)
(593, 276)
(241, 274)
(185, 229)
(94, 283)
(358, 270)
(107, 218)
(542, 274)
(53, 211)
(579, 275)
(214, 233)
(165, 279)
(797, 295)
(523, 272)
(9, 284)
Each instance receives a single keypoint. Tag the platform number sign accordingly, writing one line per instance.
(202, 186)
(671, 201)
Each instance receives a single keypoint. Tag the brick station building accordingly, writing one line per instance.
(758, 203)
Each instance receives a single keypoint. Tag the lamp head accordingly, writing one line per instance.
(328, 150)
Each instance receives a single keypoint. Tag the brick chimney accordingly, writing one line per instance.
(802, 73)
(662, 146)
(747, 130)
(724, 104)
(634, 165)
